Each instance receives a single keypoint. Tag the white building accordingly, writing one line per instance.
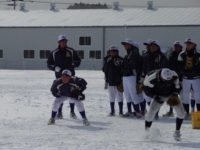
(26, 37)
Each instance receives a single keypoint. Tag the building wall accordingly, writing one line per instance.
(14, 40)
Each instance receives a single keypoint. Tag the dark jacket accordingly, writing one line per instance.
(153, 85)
(194, 71)
(65, 59)
(132, 61)
(76, 84)
(154, 61)
(113, 71)
(173, 64)
(105, 60)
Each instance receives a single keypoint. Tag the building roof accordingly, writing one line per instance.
(101, 17)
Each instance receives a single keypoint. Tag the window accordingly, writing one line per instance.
(44, 54)
(80, 53)
(29, 54)
(85, 40)
(1, 53)
(95, 54)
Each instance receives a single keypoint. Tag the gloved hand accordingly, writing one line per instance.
(56, 94)
(158, 99)
(173, 100)
(120, 87)
(77, 95)
(57, 69)
(139, 88)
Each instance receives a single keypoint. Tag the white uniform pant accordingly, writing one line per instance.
(129, 84)
(185, 96)
(114, 94)
(155, 106)
(147, 98)
(61, 99)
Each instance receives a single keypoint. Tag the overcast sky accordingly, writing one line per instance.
(123, 3)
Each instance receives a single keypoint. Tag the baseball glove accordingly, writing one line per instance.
(139, 88)
(120, 87)
(173, 100)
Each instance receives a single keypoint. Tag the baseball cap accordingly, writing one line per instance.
(166, 74)
(67, 73)
(135, 44)
(179, 43)
(190, 40)
(62, 37)
(155, 42)
(148, 42)
(113, 48)
(127, 41)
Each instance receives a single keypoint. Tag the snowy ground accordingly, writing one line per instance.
(26, 106)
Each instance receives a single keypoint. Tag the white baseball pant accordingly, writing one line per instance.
(114, 94)
(185, 96)
(155, 106)
(147, 98)
(129, 84)
(61, 99)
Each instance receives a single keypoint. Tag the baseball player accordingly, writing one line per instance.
(173, 65)
(189, 63)
(113, 76)
(155, 59)
(105, 59)
(129, 70)
(63, 57)
(68, 88)
(163, 86)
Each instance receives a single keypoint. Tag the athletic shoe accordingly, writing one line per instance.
(138, 115)
(51, 121)
(187, 117)
(121, 115)
(177, 135)
(128, 114)
(59, 116)
(73, 115)
(111, 114)
(86, 122)
(168, 114)
(143, 113)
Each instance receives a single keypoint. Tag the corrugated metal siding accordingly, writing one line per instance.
(101, 17)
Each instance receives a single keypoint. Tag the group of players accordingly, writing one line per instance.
(153, 79)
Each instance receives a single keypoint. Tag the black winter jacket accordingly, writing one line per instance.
(173, 64)
(153, 85)
(189, 73)
(154, 61)
(113, 72)
(76, 84)
(132, 62)
(65, 59)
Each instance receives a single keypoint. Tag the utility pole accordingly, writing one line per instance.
(14, 4)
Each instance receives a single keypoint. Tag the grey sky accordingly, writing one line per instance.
(136, 3)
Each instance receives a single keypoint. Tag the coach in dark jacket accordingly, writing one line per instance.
(63, 58)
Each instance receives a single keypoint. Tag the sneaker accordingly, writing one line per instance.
(51, 121)
(128, 114)
(156, 117)
(86, 122)
(187, 117)
(138, 115)
(121, 115)
(177, 135)
(59, 116)
(168, 114)
(111, 114)
(73, 115)
(143, 113)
